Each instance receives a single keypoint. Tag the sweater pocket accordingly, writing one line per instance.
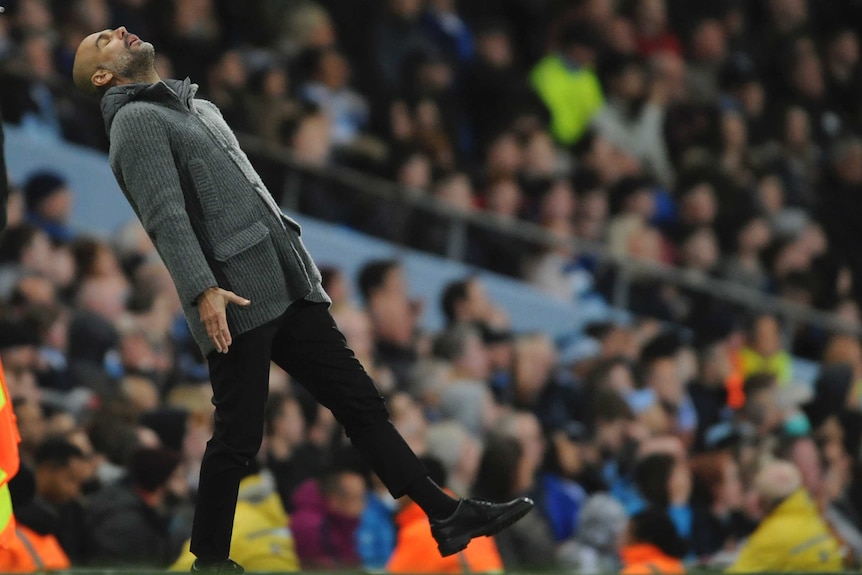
(205, 188)
(250, 263)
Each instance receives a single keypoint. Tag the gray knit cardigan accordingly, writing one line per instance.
(210, 216)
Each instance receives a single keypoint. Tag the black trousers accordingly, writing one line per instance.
(305, 342)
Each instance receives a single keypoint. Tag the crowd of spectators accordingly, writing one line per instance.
(722, 137)
(719, 136)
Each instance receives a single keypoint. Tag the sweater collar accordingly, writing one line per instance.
(177, 94)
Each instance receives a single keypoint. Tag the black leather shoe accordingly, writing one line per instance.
(226, 566)
(475, 518)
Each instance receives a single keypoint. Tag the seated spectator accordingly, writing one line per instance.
(260, 541)
(376, 534)
(462, 346)
(287, 454)
(595, 548)
(128, 523)
(568, 85)
(564, 467)
(764, 352)
(24, 248)
(653, 32)
(49, 205)
(329, 74)
(791, 536)
(507, 470)
(652, 545)
(633, 118)
(326, 518)
(458, 452)
(393, 316)
(719, 525)
(416, 551)
(467, 301)
(665, 483)
(46, 498)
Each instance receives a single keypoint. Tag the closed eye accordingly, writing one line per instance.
(102, 40)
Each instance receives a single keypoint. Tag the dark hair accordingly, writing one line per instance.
(707, 471)
(345, 460)
(85, 251)
(652, 475)
(451, 344)
(609, 406)
(328, 275)
(373, 275)
(453, 294)
(653, 525)
(291, 124)
(758, 382)
(579, 34)
(150, 468)
(57, 452)
(15, 240)
(495, 480)
(274, 407)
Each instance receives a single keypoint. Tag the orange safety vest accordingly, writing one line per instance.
(646, 559)
(29, 552)
(9, 462)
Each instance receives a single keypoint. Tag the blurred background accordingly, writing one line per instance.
(604, 253)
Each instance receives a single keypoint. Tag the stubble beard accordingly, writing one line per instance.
(137, 64)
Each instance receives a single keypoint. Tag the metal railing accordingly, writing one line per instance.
(629, 269)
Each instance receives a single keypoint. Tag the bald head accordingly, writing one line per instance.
(777, 481)
(112, 58)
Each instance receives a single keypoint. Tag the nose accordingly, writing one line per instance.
(121, 31)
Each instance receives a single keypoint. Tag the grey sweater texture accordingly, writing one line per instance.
(210, 216)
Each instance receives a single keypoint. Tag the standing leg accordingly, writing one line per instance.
(310, 348)
(240, 381)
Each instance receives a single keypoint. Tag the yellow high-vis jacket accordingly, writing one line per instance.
(793, 537)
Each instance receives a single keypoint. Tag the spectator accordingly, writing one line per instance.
(708, 49)
(51, 505)
(653, 34)
(467, 301)
(49, 204)
(327, 86)
(398, 35)
(652, 545)
(665, 482)
(633, 118)
(601, 525)
(505, 470)
(326, 517)
(128, 523)
(458, 452)
(568, 85)
(494, 85)
(791, 536)
(393, 316)
(764, 352)
(719, 525)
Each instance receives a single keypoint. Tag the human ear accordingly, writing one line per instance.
(102, 77)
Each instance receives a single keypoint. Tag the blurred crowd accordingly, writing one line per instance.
(719, 136)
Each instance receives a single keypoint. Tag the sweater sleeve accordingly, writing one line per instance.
(144, 166)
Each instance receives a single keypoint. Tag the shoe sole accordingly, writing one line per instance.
(456, 544)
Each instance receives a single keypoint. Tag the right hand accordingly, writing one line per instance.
(211, 306)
